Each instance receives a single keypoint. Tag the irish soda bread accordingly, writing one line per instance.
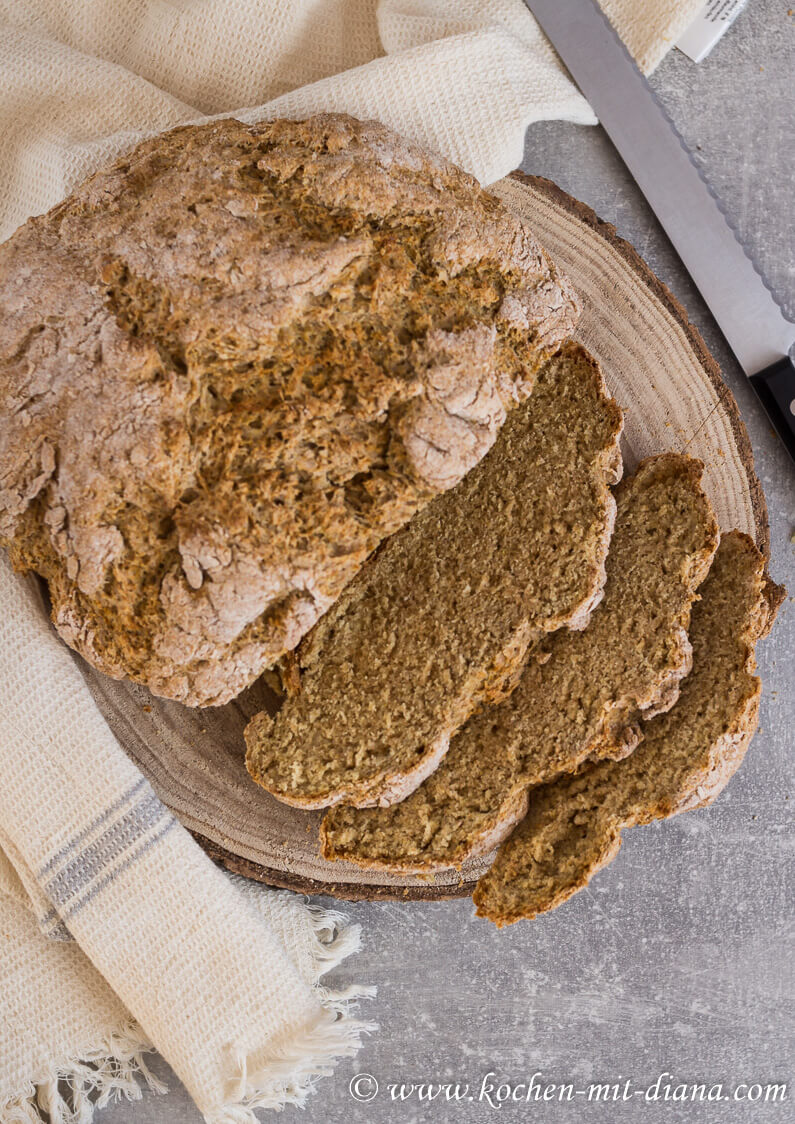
(440, 619)
(573, 826)
(233, 362)
(584, 694)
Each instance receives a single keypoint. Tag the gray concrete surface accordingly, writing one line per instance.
(678, 958)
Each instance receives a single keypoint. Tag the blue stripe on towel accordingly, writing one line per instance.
(90, 862)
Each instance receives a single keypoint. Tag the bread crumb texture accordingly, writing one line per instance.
(580, 694)
(439, 621)
(688, 754)
(233, 362)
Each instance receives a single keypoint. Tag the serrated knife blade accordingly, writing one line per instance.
(754, 325)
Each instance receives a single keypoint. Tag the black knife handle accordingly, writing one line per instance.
(776, 389)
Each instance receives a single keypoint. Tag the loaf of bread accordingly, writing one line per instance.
(573, 825)
(232, 363)
(581, 693)
(439, 621)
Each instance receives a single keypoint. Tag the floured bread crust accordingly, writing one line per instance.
(573, 825)
(232, 363)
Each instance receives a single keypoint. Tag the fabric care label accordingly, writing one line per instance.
(714, 18)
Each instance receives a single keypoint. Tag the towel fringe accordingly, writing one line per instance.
(290, 1076)
(292, 1070)
(111, 1070)
(336, 939)
(72, 1089)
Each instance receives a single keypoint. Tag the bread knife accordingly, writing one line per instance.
(741, 302)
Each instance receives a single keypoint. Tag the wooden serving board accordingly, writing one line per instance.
(658, 368)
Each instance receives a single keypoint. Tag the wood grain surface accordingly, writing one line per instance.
(660, 371)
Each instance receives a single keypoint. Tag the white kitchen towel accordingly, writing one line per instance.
(83, 80)
(117, 934)
(164, 950)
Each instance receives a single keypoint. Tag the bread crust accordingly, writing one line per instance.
(234, 361)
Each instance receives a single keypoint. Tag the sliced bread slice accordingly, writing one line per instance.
(440, 619)
(582, 693)
(573, 826)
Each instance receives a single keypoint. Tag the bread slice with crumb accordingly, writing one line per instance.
(440, 620)
(573, 825)
(580, 694)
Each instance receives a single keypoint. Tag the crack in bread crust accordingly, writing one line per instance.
(233, 362)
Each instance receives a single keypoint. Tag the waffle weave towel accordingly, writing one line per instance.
(83, 80)
(117, 934)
